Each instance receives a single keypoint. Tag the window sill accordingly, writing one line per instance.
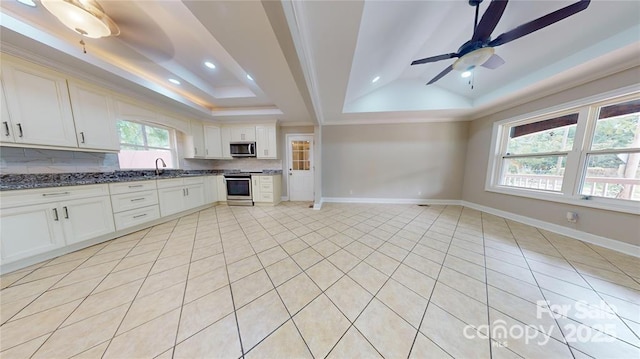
(594, 202)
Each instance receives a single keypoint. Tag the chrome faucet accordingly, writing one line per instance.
(158, 170)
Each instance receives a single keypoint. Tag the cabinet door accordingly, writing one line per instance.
(198, 139)
(225, 139)
(222, 188)
(38, 103)
(212, 142)
(86, 218)
(171, 200)
(7, 126)
(243, 134)
(255, 188)
(30, 230)
(194, 197)
(95, 117)
(210, 189)
(267, 146)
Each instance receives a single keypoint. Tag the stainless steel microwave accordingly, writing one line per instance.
(243, 149)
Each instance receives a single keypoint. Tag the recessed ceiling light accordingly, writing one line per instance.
(28, 2)
(174, 81)
(209, 64)
(249, 77)
(375, 79)
(465, 74)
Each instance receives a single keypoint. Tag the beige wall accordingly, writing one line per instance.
(405, 161)
(609, 224)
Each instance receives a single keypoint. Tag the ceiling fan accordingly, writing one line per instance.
(479, 51)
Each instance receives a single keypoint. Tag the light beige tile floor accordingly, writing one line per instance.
(348, 281)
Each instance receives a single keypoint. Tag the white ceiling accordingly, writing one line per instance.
(314, 61)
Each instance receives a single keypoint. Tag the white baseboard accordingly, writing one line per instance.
(454, 202)
(284, 198)
(318, 206)
(608, 243)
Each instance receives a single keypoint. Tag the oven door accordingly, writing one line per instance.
(238, 188)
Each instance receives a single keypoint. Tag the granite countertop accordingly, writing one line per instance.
(9, 182)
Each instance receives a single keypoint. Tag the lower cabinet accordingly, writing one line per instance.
(210, 189)
(180, 194)
(134, 203)
(38, 228)
(266, 189)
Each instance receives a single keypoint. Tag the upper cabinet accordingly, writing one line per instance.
(212, 142)
(266, 145)
(7, 126)
(246, 133)
(95, 117)
(130, 112)
(197, 135)
(38, 105)
(225, 139)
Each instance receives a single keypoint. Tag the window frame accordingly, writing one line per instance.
(576, 161)
(173, 145)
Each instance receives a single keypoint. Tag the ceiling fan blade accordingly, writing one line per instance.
(539, 23)
(441, 75)
(435, 58)
(489, 20)
(494, 62)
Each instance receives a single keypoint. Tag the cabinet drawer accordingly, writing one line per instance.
(193, 180)
(266, 179)
(128, 187)
(128, 201)
(26, 197)
(266, 187)
(265, 197)
(136, 216)
(172, 182)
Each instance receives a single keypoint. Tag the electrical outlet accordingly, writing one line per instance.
(572, 217)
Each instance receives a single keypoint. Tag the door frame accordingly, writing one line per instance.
(285, 164)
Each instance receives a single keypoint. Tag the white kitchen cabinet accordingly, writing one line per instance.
(130, 112)
(222, 188)
(197, 134)
(38, 105)
(210, 189)
(28, 231)
(33, 222)
(87, 218)
(266, 144)
(180, 194)
(212, 142)
(245, 133)
(225, 140)
(266, 189)
(134, 203)
(95, 117)
(7, 125)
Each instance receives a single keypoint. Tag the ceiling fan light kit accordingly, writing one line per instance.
(479, 51)
(85, 17)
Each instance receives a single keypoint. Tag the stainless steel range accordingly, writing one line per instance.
(239, 189)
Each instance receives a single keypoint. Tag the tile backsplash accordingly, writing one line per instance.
(247, 164)
(30, 160)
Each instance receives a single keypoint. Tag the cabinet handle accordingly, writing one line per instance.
(195, 149)
(140, 215)
(55, 194)
(187, 191)
(137, 199)
(66, 212)
(184, 192)
(55, 214)
(20, 130)
(82, 136)
(6, 129)
(136, 186)
(207, 150)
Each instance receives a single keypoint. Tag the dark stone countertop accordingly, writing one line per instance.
(9, 182)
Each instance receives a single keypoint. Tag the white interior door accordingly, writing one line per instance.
(300, 167)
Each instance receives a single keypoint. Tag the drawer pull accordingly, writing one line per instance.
(136, 186)
(140, 215)
(55, 194)
(138, 199)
